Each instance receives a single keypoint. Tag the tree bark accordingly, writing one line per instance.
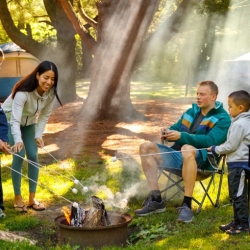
(64, 54)
(122, 26)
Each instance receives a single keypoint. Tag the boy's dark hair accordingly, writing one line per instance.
(212, 86)
(241, 97)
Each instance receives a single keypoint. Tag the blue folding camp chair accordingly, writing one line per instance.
(175, 180)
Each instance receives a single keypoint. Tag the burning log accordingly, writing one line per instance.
(75, 216)
(97, 215)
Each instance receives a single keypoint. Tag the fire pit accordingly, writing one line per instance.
(113, 235)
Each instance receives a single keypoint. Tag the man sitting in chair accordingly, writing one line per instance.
(201, 126)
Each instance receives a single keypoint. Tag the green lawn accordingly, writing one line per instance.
(160, 231)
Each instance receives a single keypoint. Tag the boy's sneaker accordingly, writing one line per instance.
(237, 230)
(185, 214)
(151, 207)
(2, 214)
(230, 225)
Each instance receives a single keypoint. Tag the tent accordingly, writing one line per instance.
(234, 75)
(17, 64)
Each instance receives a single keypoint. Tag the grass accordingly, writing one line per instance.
(147, 90)
(106, 178)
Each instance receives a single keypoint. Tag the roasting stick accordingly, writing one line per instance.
(39, 165)
(40, 184)
(74, 190)
(114, 158)
(76, 181)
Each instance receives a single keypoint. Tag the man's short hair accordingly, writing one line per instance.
(241, 97)
(211, 85)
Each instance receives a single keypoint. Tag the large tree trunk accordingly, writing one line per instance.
(122, 25)
(64, 55)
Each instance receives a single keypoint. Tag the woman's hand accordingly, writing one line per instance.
(39, 142)
(209, 149)
(17, 147)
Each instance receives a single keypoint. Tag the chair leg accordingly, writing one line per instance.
(221, 172)
(169, 186)
(206, 194)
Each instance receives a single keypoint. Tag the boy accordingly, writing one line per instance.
(237, 151)
(3, 148)
(3, 143)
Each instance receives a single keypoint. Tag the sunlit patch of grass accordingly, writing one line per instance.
(6, 159)
(159, 90)
(148, 90)
(114, 184)
(102, 194)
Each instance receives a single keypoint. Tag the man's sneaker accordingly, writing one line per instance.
(230, 225)
(185, 214)
(151, 207)
(147, 200)
(2, 214)
(238, 230)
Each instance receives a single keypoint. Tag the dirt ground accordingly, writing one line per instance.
(69, 136)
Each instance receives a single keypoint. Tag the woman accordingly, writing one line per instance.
(28, 109)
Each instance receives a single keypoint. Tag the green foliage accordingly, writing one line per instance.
(21, 223)
(17, 245)
(214, 6)
(90, 7)
(31, 15)
(147, 233)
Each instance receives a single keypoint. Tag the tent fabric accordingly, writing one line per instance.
(10, 47)
(17, 64)
(6, 85)
(245, 57)
(234, 75)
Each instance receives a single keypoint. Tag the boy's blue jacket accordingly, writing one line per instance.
(3, 126)
(211, 131)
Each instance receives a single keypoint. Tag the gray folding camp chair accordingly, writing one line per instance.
(172, 181)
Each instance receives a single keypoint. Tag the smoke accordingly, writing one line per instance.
(201, 49)
(131, 185)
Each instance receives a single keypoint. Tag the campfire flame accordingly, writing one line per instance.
(67, 214)
(95, 217)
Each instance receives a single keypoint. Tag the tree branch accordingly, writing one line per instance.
(85, 17)
(86, 37)
(24, 41)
